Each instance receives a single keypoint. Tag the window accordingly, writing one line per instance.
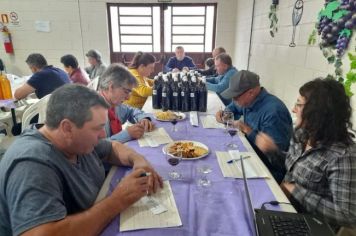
(161, 27)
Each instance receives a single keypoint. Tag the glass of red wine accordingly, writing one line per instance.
(174, 160)
(174, 121)
(232, 131)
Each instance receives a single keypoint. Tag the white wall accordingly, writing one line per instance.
(283, 69)
(80, 25)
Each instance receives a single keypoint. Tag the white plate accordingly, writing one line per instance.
(195, 143)
(180, 114)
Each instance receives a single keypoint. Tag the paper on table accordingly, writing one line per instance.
(138, 216)
(209, 122)
(155, 138)
(253, 166)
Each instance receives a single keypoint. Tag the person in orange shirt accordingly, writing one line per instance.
(141, 67)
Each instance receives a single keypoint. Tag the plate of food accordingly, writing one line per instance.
(169, 115)
(189, 150)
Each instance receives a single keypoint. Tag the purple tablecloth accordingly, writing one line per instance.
(218, 210)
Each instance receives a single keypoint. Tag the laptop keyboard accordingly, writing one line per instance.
(289, 226)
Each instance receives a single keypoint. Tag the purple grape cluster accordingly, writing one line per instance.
(332, 31)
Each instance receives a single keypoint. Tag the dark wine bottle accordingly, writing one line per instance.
(193, 94)
(185, 96)
(156, 93)
(176, 106)
(203, 96)
(166, 95)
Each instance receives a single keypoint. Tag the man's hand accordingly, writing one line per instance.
(175, 70)
(243, 127)
(265, 143)
(287, 188)
(218, 116)
(136, 131)
(155, 180)
(131, 188)
(147, 124)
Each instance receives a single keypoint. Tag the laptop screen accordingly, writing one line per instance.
(250, 212)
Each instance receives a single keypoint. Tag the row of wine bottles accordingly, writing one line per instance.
(179, 92)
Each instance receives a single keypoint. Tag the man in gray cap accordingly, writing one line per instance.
(263, 113)
(97, 67)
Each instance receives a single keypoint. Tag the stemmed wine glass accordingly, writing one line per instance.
(226, 117)
(203, 180)
(232, 131)
(174, 121)
(174, 160)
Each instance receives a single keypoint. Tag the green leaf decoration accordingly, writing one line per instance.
(330, 8)
(331, 59)
(352, 57)
(353, 65)
(338, 63)
(345, 32)
(339, 14)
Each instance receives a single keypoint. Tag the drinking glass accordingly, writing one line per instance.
(227, 116)
(174, 121)
(203, 171)
(232, 131)
(174, 160)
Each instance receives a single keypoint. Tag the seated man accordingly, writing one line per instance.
(179, 62)
(45, 78)
(76, 74)
(97, 67)
(115, 86)
(51, 175)
(225, 70)
(262, 113)
(211, 71)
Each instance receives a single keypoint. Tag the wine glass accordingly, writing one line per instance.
(232, 131)
(203, 171)
(174, 160)
(174, 121)
(227, 116)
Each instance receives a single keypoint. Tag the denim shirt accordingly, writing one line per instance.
(220, 83)
(125, 113)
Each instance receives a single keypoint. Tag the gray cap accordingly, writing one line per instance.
(241, 82)
(94, 54)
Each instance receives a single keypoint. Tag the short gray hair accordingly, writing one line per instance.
(118, 75)
(72, 102)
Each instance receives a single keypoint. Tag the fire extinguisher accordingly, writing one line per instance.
(7, 39)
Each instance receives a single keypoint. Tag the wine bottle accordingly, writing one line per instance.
(166, 95)
(203, 95)
(156, 93)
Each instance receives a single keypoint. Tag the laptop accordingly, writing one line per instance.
(273, 223)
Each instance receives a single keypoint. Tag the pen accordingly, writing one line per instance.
(234, 160)
(145, 174)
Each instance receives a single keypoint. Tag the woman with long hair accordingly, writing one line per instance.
(141, 67)
(321, 161)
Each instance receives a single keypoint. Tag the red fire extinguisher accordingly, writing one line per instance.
(7, 40)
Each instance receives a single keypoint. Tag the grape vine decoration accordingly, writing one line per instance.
(336, 22)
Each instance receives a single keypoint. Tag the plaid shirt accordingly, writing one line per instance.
(325, 181)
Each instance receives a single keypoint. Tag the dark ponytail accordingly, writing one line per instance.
(141, 58)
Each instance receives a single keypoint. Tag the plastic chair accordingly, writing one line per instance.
(94, 84)
(36, 108)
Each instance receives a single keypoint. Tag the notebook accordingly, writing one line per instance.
(273, 223)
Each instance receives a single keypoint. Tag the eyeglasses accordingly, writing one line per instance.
(299, 105)
(126, 90)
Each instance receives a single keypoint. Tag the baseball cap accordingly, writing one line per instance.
(241, 82)
(94, 54)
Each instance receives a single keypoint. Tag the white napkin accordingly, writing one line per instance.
(253, 166)
(155, 138)
(209, 122)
